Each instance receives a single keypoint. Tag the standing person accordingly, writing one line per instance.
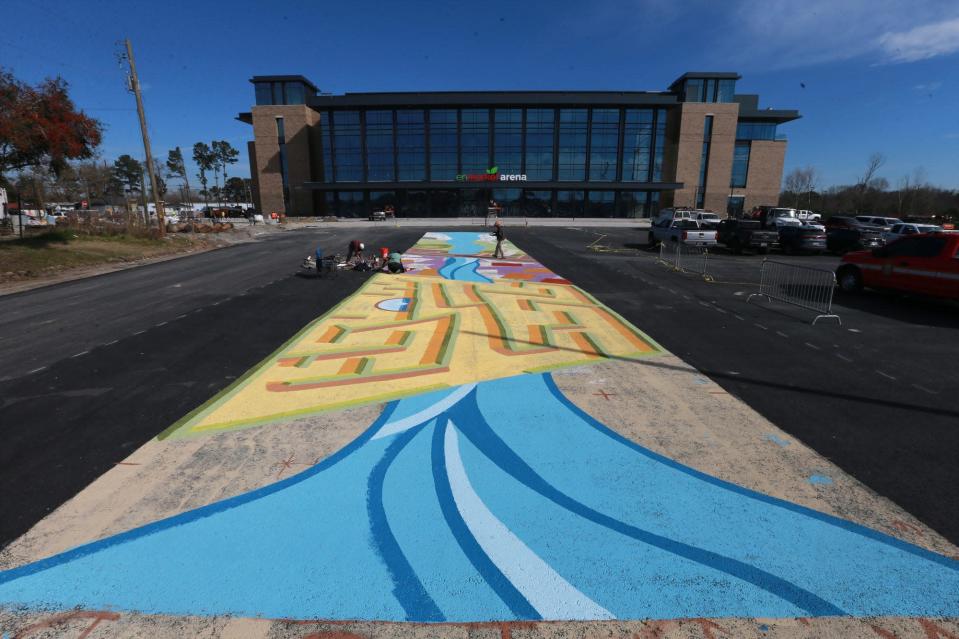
(500, 235)
(356, 248)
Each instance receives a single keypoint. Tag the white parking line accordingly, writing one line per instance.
(716, 308)
(761, 326)
(80, 354)
(925, 390)
(886, 375)
(741, 319)
(160, 324)
(180, 316)
(843, 357)
(781, 334)
(812, 346)
(139, 332)
(111, 343)
(36, 370)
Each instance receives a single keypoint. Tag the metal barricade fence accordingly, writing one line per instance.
(802, 286)
(685, 258)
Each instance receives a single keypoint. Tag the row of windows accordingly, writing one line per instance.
(709, 90)
(740, 165)
(560, 144)
(473, 202)
(279, 93)
(755, 131)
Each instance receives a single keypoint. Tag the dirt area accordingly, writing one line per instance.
(62, 255)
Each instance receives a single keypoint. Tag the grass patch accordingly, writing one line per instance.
(59, 250)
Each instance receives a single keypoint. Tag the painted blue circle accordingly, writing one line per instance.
(394, 304)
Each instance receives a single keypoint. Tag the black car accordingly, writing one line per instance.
(802, 239)
(842, 240)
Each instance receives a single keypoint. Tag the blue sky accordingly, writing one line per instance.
(867, 75)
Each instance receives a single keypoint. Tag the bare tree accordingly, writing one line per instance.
(869, 180)
(801, 181)
(902, 193)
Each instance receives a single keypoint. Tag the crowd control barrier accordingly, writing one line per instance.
(802, 286)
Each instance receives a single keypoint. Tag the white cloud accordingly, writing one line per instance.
(790, 34)
(921, 42)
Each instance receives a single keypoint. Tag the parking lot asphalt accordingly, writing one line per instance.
(875, 395)
(129, 353)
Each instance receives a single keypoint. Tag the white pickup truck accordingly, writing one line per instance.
(688, 232)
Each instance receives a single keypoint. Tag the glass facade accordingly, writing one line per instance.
(508, 140)
(709, 90)
(410, 145)
(604, 145)
(379, 146)
(572, 145)
(740, 165)
(755, 131)
(474, 141)
(539, 144)
(276, 92)
(444, 145)
(347, 151)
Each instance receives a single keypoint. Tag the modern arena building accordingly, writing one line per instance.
(536, 153)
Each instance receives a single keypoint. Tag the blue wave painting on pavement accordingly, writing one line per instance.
(496, 501)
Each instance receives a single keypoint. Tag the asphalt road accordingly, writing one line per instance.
(92, 369)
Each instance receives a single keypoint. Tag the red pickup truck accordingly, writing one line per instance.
(926, 264)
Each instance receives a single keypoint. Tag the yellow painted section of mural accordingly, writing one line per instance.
(401, 335)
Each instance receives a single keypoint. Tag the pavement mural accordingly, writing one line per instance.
(492, 497)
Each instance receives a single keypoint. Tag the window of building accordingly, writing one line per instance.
(284, 166)
(637, 145)
(632, 204)
(347, 151)
(603, 145)
(538, 203)
(726, 90)
(379, 146)
(264, 93)
(379, 200)
(694, 90)
(704, 161)
(734, 205)
(539, 144)
(511, 200)
(474, 140)
(295, 93)
(569, 203)
(709, 95)
(277, 93)
(740, 165)
(659, 146)
(326, 134)
(444, 149)
(444, 203)
(351, 204)
(572, 145)
(755, 131)
(601, 204)
(411, 148)
(414, 204)
(508, 140)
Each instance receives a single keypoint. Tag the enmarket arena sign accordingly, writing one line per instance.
(492, 175)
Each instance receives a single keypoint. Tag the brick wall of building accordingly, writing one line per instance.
(254, 176)
(763, 180)
(692, 119)
(297, 122)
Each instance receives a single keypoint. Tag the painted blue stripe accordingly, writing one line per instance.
(746, 492)
(201, 512)
(407, 587)
(472, 270)
(471, 423)
(506, 591)
(444, 270)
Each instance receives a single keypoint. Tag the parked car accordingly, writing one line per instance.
(874, 220)
(688, 232)
(903, 228)
(926, 264)
(843, 240)
(802, 239)
(707, 216)
(808, 215)
(776, 217)
(378, 215)
(673, 214)
(738, 235)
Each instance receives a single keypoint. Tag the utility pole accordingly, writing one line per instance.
(135, 87)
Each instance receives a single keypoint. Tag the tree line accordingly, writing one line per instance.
(911, 196)
(48, 153)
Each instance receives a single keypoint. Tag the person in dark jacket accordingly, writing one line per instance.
(500, 235)
(356, 248)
